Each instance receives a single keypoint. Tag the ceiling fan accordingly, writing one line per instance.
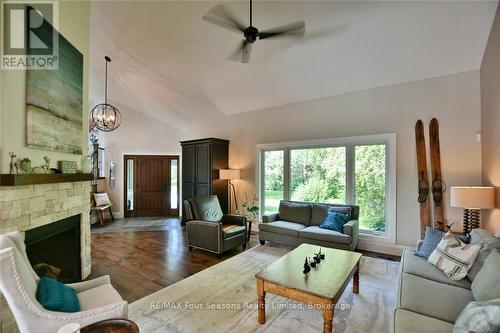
(220, 16)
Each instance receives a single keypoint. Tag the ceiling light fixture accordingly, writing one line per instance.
(105, 117)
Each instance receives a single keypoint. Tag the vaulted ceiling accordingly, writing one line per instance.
(173, 66)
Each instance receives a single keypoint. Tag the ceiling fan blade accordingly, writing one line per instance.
(292, 29)
(220, 16)
(247, 49)
(242, 52)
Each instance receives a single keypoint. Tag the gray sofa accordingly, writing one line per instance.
(428, 301)
(298, 222)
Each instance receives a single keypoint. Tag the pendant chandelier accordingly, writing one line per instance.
(105, 117)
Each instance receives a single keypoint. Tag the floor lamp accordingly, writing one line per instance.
(230, 174)
(472, 200)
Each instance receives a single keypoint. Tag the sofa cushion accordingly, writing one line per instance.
(207, 208)
(326, 235)
(282, 227)
(412, 264)
(295, 212)
(438, 300)
(479, 317)
(411, 322)
(486, 249)
(480, 236)
(486, 284)
(319, 212)
(231, 230)
(97, 297)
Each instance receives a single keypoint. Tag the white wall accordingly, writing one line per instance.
(138, 134)
(453, 99)
(490, 103)
(74, 25)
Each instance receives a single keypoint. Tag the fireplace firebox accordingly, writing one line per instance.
(57, 244)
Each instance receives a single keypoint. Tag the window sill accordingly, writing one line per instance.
(376, 236)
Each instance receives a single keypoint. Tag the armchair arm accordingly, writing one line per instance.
(270, 217)
(90, 284)
(204, 234)
(351, 228)
(234, 219)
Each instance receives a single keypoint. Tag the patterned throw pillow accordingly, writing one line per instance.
(334, 221)
(431, 240)
(453, 256)
(101, 199)
(479, 317)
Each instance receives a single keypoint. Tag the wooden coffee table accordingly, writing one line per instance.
(322, 287)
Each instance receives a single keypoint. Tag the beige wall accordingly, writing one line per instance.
(138, 134)
(490, 103)
(453, 99)
(74, 25)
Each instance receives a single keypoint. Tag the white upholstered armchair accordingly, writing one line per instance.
(18, 283)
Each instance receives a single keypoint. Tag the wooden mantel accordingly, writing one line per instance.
(32, 179)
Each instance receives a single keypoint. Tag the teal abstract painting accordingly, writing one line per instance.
(54, 103)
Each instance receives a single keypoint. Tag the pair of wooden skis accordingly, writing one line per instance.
(437, 187)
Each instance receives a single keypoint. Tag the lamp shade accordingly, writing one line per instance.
(472, 197)
(229, 174)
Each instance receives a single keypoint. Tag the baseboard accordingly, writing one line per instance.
(393, 249)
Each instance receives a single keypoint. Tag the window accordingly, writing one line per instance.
(370, 185)
(318, 175)
(273, 162)
(356, 170)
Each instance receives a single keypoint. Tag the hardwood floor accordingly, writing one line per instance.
(142, 262)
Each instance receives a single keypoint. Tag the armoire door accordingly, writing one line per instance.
(154, 184)
(203, 170)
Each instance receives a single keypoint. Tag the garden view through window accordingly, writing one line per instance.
(351, 174)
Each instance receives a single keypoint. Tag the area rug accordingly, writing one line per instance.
(138, 224)
(223, 298)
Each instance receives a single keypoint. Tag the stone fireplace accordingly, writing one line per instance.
(29, 207)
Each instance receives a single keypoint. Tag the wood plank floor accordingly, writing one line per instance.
(142, 262)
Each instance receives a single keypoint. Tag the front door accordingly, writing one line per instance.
(154, 185)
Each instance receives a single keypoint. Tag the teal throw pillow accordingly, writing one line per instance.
(334, 221)
(56, 296)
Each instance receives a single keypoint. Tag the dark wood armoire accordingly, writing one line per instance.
(201, 161)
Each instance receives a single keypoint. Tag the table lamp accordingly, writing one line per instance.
(230, 174)
(472, 199)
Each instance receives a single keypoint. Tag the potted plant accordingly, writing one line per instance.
(251, 208)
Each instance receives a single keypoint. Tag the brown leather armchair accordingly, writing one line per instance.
(211, 230)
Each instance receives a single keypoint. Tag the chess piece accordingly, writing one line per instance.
(12, 164)
(313, 263)
(317, 259)
(321, 255)
(307, 268)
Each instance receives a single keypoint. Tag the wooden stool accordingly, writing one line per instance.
(100, 212)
